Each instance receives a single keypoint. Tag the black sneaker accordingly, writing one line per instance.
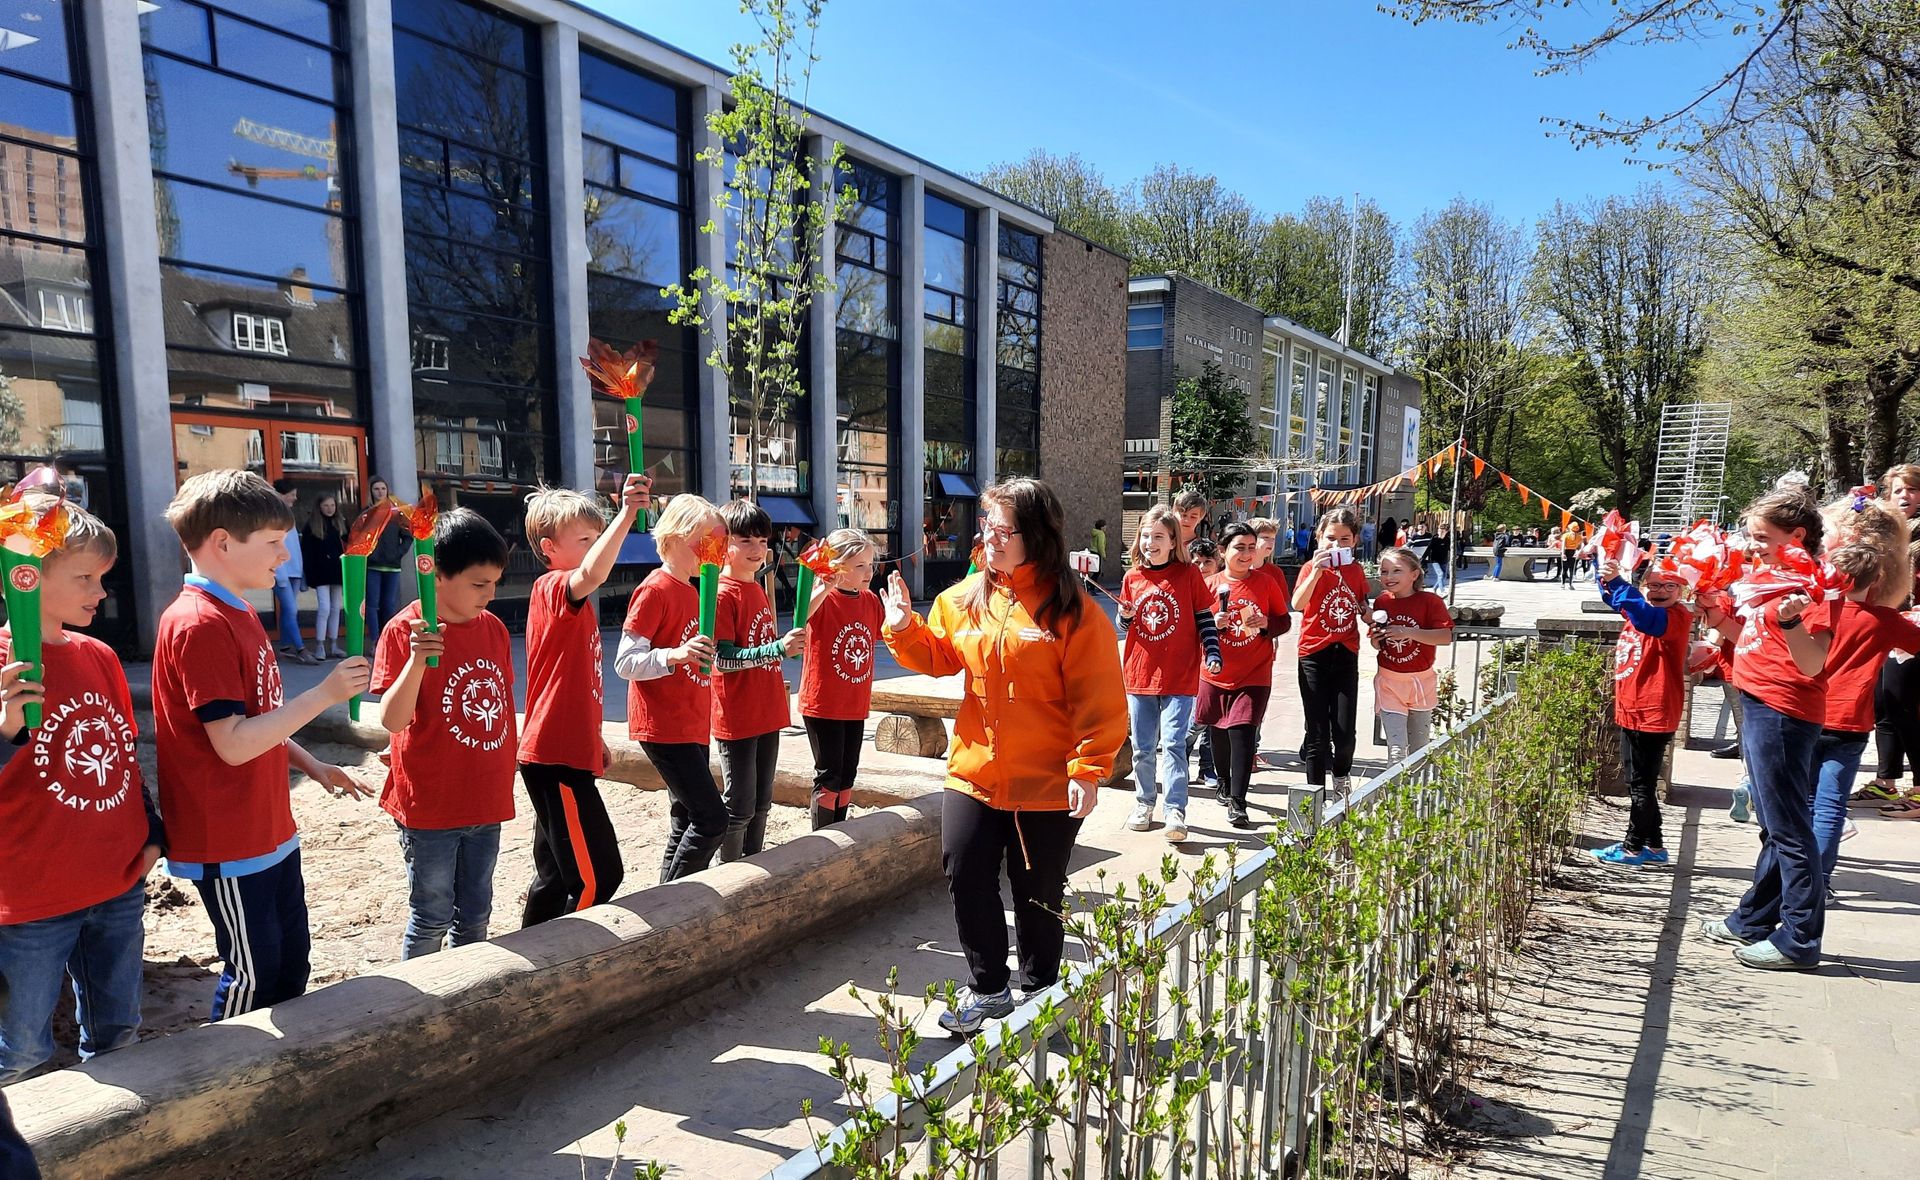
(1237, 818)
(1730, 750)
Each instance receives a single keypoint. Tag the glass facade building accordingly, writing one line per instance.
(364, 238)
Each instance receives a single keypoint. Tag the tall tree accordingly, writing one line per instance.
(1624, 288)
(1191, 223)
(1067, 189)
(1213, 433)
(1302, 270)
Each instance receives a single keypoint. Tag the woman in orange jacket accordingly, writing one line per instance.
(1042, 721)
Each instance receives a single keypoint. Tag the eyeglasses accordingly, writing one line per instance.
(996, 533)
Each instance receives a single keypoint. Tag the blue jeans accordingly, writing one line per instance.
(99, 949)
(1160, 727)
(449, 885)
(1836, 762)
(1499, 560)
(1786, 904)
(383, 599)
(1438, 575)
(286, 611)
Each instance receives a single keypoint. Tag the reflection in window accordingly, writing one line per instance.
(1017, 417)
(868, 372)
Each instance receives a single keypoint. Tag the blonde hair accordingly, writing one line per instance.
(685, 517)
(1263, 524)
(551, 509)
(1163, 517)
(1906, 473)
(86, 533)
(1880, 528)
(1402, 554)
(1863, 562)
(238, 501)
(848, 544)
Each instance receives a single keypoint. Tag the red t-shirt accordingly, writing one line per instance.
(1650, 674)
(1763, 668)
(836, 677)
(753, 702)
(1333, 610)
(1163, 653)
(452, 766)
(211, 655)
(1279, 578)
(564, 669)
(1423, 609)
(72, 817)
(1246, 653)
(1863, 634)
(677, 708)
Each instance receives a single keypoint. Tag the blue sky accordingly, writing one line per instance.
(1281, 99)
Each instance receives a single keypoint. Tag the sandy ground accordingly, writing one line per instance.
(357, 889)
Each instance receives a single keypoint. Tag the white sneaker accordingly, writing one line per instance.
(1395, 754)
(1176, 825)
(1850, 831)
(1141, 818)
(1341, 785)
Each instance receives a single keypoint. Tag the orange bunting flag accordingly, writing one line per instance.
(1543, 507)
(1507, 480)
(1566, 518)
(1479, 466)
(1525, 492)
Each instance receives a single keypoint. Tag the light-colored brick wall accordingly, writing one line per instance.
(1083, 386)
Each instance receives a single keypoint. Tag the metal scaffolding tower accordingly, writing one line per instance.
(1692, 465)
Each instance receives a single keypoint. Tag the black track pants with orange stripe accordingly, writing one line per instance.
(576, 857)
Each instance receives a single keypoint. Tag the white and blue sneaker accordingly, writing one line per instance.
(1620, 857)
(971, 1009)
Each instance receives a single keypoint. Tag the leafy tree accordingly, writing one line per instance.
(1301, 270)
(1192, 224)
(1067, 189)
(1213, 431)
(774, 205)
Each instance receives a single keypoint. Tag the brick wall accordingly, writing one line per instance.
(1083, 385)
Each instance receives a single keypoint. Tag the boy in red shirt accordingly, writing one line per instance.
(576, 856)
(669, 703)
(1649, 685)
(224, 736)
(836, 672)
(450, 780)
(77, 831)
(1233, 701)
(750, 694)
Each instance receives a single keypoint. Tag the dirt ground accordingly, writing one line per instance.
(357, 889)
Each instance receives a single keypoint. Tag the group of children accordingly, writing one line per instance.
(1201, 619)
(79, 831)
(1804, 650)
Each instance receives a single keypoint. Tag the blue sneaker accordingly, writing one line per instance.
(1606, 853)
(1742, 811)
(1620, 857)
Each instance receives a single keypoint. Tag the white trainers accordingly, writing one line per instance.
(1141, 818)
(1395, 754)
(971, 1009)
(1176, 825)
(1341, 785)
(1850, 831)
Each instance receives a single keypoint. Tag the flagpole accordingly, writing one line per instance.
(1453, 517)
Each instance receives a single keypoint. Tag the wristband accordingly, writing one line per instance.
(1789, 624)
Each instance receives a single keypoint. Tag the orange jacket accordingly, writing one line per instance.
(1041, 707)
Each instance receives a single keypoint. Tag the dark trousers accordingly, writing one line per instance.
(16, 1160)
(1035, 846)
(1642, 755)
(1235, 747)
(383, 601)
(746, 772)
(1786, 903)
(260, 931)
(697, 817)
(1329, 689)
(576, 856)
(1203, 741)
(836, 760)
(1896, 719)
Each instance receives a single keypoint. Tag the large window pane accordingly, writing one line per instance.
(226, 131)
(456, 346)
(634, 239)
(946, 262)
(490, 36)
(251, 384)
(200, 305)
(46, 56)
(431, 209)
(463, 97)
(33, 111)
(624, 131)
(256, 52)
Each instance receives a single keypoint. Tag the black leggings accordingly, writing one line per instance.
(1896, 718)
(1036, 847)
(1641, 755)
(836, 760)
(576, 856)
(1233, 750)
(1329, 687)
(697, 820)
(746, 771)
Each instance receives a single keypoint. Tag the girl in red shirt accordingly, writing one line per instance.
(749, 691)
(669, 704)
(1410, 623)
(1166, 614)
(1249, 614)
(1330, 599)
(1777, 666)
(836, 673)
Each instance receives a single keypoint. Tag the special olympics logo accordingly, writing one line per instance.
(853, 653)
(1341, 608)
(1156, 616)
(24, 578)
(1399, 646)
(1627, 654)
(691, 669)
(424, 563)
(633, 424)
(475, 705)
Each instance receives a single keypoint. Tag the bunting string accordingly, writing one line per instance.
(1430, 467)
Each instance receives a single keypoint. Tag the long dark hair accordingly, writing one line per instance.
(1043, 528)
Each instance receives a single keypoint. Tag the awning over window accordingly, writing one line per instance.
(957, 485)
(638, 549)
(788, 510)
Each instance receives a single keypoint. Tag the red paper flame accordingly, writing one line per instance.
(712, 549)
(820, 558)
(620, 374)
(43, 531)
(979, 555)
(368, 527)
(421, 517)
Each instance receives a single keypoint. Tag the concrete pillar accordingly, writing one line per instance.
(383, 256)
(823, 334)
(911, 439)
(712, 417)
(986, 282)
(566, 192)
(132, 334)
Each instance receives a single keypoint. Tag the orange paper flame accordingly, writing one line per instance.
(43, 532)
(979, 555)
(620, 374)
(820, 558)
(369, 526)
(712, 549)
(421, 517)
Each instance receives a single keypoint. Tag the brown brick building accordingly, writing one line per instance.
(1083, 383)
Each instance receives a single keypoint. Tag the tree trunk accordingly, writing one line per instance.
(1888, 382)
(1837, 451)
